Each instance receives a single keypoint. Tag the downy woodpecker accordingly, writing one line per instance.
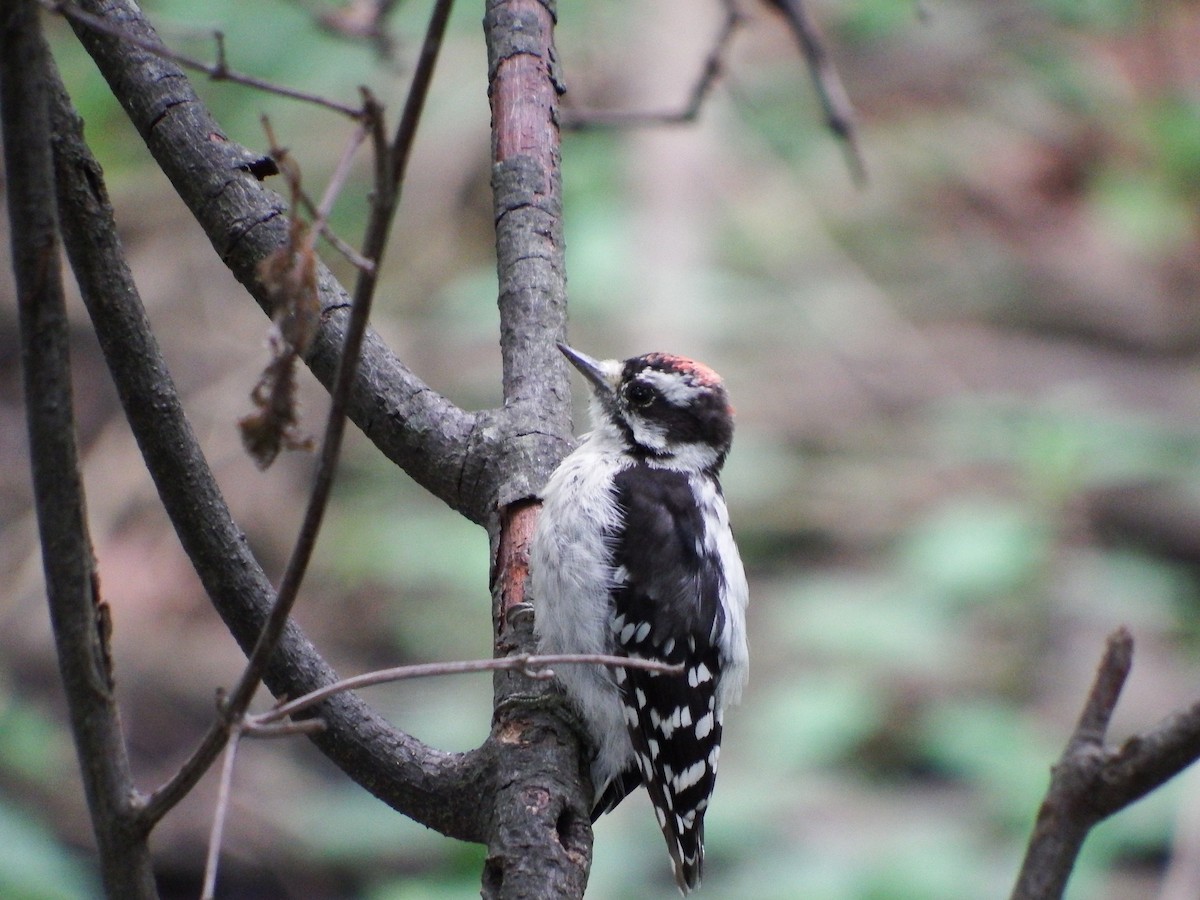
(633, 556)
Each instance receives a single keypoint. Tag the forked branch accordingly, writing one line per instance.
(578, 119)
(443, 448)
(1093, 780)
(436, 788)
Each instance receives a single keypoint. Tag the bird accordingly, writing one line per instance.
(633, 555)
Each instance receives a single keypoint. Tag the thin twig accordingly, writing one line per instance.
(338, 179)
(387, 196)
(395, 766)
(179, 785)
(218, 71)
(252, 727)
(1106, 691)
(275, 722)
(710, 71)
(220, 813)
(530, 665)
(832, 93)
(1068, 810)
(320, 212)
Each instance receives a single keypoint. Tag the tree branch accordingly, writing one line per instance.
(540, 844)
(386, 200)
(537, 667)
(445, 449)
(577, 119)
(832, 94)
(218, 71)
(436, 788)
(79, 616)
(1091, 780)
(524, 87)
(486, 465)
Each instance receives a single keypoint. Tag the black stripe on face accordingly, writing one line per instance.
(704, 418)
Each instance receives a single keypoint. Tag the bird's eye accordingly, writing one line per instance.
(639, 394)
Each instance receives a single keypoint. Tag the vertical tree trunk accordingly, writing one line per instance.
(540, 843)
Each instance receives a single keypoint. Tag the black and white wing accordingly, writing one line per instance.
(667, 606)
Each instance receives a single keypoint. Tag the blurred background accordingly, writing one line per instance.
(968, 430)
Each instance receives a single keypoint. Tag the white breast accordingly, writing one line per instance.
(572, 576)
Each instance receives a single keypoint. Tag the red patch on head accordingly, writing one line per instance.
(701, 373)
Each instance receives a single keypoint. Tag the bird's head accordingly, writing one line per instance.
(671, 410)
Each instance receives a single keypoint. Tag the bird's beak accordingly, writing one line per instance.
(594, 371)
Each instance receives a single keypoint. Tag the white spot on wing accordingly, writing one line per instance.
(644, 765)
(690, 776)
(668, 726)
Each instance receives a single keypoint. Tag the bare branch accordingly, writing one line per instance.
(445, 449)
(1106, 690)
(1148, 760)
(835, 100)
(252, 727)
(218, 71)
(710, 71)
(1091, 781)
(320, 212)
(414, 104)
(1067, 813)
(539, 842)
(530, 665)
(78, 614)
(436, 788)
(220, 813)
(385, 199)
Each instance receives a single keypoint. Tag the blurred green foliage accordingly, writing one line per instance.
(34, 865)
